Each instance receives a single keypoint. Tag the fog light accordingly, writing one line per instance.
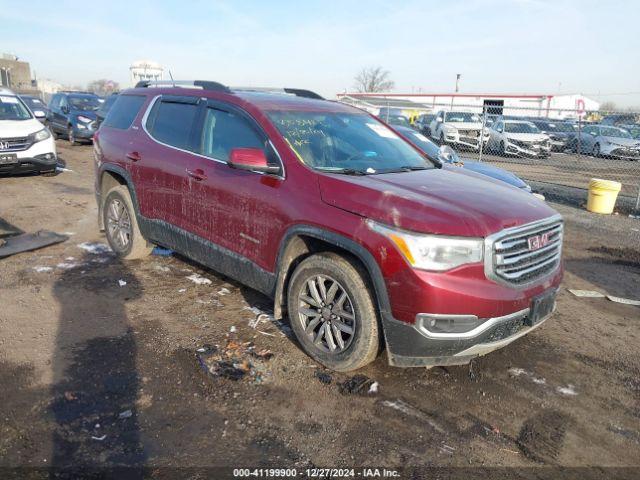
(448, 323)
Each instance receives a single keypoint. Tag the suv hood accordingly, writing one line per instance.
(627, 142)
(527, 137)
(465, 125)
(85, 113)
(18, 128)
(440, 201)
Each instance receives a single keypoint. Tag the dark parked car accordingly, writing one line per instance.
(359, 237)
(101, 113)
(400, 120)
(36, 105)
(73, 115)
(448, 155)
(560, 133)
(619, 119)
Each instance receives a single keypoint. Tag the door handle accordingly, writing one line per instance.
(197, 174)
(133, 156)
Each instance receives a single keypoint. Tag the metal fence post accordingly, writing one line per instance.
(638, 199)
(484, 122)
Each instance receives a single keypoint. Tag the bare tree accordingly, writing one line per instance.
(373, 79)
(103, 87)
(608, 107)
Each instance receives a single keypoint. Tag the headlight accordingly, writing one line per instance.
(433, 252)
(40, 135)
(84, 119)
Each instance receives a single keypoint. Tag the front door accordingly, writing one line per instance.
(238, 210)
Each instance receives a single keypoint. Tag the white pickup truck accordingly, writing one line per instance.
(461, 129)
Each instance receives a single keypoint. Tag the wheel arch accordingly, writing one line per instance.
(112, 176)
(303, 240)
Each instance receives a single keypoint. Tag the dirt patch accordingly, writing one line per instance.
(628, 257)
(542, 436)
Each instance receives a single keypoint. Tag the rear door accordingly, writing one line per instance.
(165, 158)
(239, 210)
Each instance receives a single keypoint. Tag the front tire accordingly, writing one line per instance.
(596, 150)
(71, 136)
(121, 225)
(332, 312)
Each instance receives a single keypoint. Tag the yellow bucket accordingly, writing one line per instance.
(602, 195)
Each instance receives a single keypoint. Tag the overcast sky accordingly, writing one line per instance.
(501, 46)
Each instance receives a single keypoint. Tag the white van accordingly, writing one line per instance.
(25, 144)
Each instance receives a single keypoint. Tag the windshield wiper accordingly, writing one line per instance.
(405, 168)
(342, 171)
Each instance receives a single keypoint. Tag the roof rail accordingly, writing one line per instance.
(218, 87)
(83, 92)
(204, 84)
(298, 92)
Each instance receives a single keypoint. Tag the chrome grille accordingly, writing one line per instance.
(509, 258)
(14, 144)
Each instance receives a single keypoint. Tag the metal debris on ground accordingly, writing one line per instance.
(324, 377)
(99, 439)
(235, 361)
(594, 294)
(586, 293)
(626, 301)
(223, 291)
(26, 242)
(125, 414)
(358, 385)
(122, 283)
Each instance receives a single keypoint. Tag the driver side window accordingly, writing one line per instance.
(224, 130)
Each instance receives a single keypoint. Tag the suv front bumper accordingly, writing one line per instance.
(412, 345)
(39, 157)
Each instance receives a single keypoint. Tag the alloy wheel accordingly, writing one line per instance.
(119, 224)
(326, 314)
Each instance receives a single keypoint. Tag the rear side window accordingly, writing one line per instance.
(171, 122)
(224, 131)
(124, 111)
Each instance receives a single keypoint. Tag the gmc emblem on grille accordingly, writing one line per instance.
(538, 241)
(4, 145)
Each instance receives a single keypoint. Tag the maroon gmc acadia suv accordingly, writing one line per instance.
(358, 237)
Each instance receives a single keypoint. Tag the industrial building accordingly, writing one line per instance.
(411, 104)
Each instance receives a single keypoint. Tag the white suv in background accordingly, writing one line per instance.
(518, 137)
(25, 144)
(462, 129)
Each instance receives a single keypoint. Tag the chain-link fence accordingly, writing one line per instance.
(563, 149)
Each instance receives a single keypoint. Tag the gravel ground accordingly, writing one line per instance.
(97, 372)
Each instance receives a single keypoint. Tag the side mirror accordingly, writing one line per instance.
(439, 119)
(64, 109)
(447, 154)
(39, 114)
(251, 159)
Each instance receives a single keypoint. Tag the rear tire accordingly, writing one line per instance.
(335, 321)
(501, 150)
(121, 225)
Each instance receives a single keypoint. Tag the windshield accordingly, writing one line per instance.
(346, 142)
(34, 103)
(614, 132)
(11, 108)
(397, 120)
(84, 104)
(461, 117)
(520, 127)
(554, 127)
